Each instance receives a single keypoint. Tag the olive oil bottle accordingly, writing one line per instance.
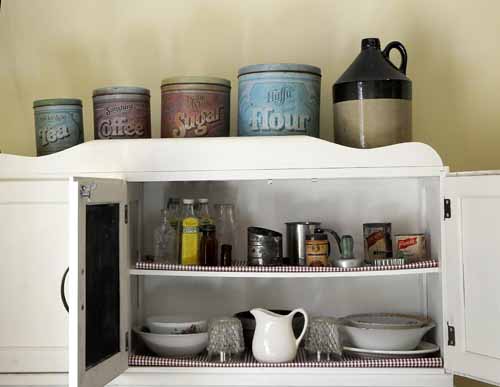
(190, 253)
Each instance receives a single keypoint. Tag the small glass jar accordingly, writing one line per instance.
(208, 246)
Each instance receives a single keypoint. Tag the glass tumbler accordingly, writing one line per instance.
(323, 339)
(225, 339)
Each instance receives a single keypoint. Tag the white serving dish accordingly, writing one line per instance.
(384, 339)
(387, 321)
(174, 345)
(423, 349)
(176, 324)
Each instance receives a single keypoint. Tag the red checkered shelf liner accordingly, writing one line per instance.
(300, 361)
(243, 268)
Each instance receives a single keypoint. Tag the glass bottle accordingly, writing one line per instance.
(190, 234)
(208, 246)
(225, 226)
(226, 255)
(203, 212)
(174, 217)
(165, 242)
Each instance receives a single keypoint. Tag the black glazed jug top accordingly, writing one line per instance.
(372, 64)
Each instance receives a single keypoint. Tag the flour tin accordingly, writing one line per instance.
(121, 112)
(279, 100)
(58, 124)
(195, 107)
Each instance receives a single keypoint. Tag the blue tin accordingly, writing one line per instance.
(58, 124)
(279, 100)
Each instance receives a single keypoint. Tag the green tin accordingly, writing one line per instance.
(58, 124)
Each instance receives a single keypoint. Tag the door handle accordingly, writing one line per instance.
(63, 296)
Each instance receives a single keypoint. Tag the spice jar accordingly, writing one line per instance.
(121, 112)
(208, 246)
(317, 249)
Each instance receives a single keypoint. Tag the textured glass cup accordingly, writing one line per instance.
(323, 339)
(225, 339)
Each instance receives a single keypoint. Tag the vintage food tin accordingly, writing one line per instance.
(265, 247)
(317, 249)
(195, 107)
(412, 247)
(378, 243)
(121, 112)
(58, 124)
(279, 99)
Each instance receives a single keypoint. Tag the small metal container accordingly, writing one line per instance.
(412, 247)
(265, 247)
(121, 112)
(378, 242)
(58, 124)
(279, 100)
(195, 107)
(296, 238)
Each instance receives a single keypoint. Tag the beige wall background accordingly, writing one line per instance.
(56, 48)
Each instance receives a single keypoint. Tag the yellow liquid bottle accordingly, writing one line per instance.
(190, 250)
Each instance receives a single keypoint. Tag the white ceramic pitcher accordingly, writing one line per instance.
(274, 341)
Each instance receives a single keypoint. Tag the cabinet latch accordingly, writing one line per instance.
(451, 335)
(86, 190)
(447, 208)
(126, 213)
(126, 341)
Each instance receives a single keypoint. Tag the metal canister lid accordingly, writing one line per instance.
(120, 90)
(279, 67)
(196, 79)
(57, 102)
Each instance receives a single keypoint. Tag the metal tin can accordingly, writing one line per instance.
(378, 243)
(279, 100)
(317, 249)
(195, 107)
(411, 247)
(265, 247)
(121, 112)
(58, 124)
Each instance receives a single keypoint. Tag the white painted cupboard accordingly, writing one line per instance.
(104, 197)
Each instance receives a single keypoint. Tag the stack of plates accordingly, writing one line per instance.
(387, 335)
(177, 336)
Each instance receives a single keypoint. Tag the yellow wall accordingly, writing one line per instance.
(56, 48)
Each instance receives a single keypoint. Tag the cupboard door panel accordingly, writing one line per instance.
(472, 265)
(99, 282)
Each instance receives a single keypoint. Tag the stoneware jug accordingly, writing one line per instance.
(274, 341)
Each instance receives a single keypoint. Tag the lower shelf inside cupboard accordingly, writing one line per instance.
(301, 361)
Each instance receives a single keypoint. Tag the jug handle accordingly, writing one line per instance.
(402, 51)
(306, 323)
(336, 236)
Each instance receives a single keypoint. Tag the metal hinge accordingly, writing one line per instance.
(126, 213)
(447, 208)
(126, 341)
(86, 190)
(451, 335)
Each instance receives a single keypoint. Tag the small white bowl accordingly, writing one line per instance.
(176, 324)
(174, 345)
(385, 339)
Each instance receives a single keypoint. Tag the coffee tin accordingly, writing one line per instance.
(279, 100)
(378, 243)
(195, 107)
(317, 250)
(412, 247)
(121, 112)
(58, 124)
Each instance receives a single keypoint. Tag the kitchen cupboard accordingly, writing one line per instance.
(57, 208)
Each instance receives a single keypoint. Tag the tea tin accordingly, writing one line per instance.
(121, 112)
(279, 100)
(195, 107)
(378, 243)
(58, 124)
(412, 247)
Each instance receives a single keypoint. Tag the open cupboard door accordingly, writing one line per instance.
(98, 281)
(472, 275)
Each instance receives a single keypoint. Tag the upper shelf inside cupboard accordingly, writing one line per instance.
(225, 158)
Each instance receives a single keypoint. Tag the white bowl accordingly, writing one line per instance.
(174, 345)
(176, 324)
(385, 339)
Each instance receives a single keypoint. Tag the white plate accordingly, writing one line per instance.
(387, 321)
(424, 349)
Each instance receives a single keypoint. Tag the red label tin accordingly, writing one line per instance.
(195, 107)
